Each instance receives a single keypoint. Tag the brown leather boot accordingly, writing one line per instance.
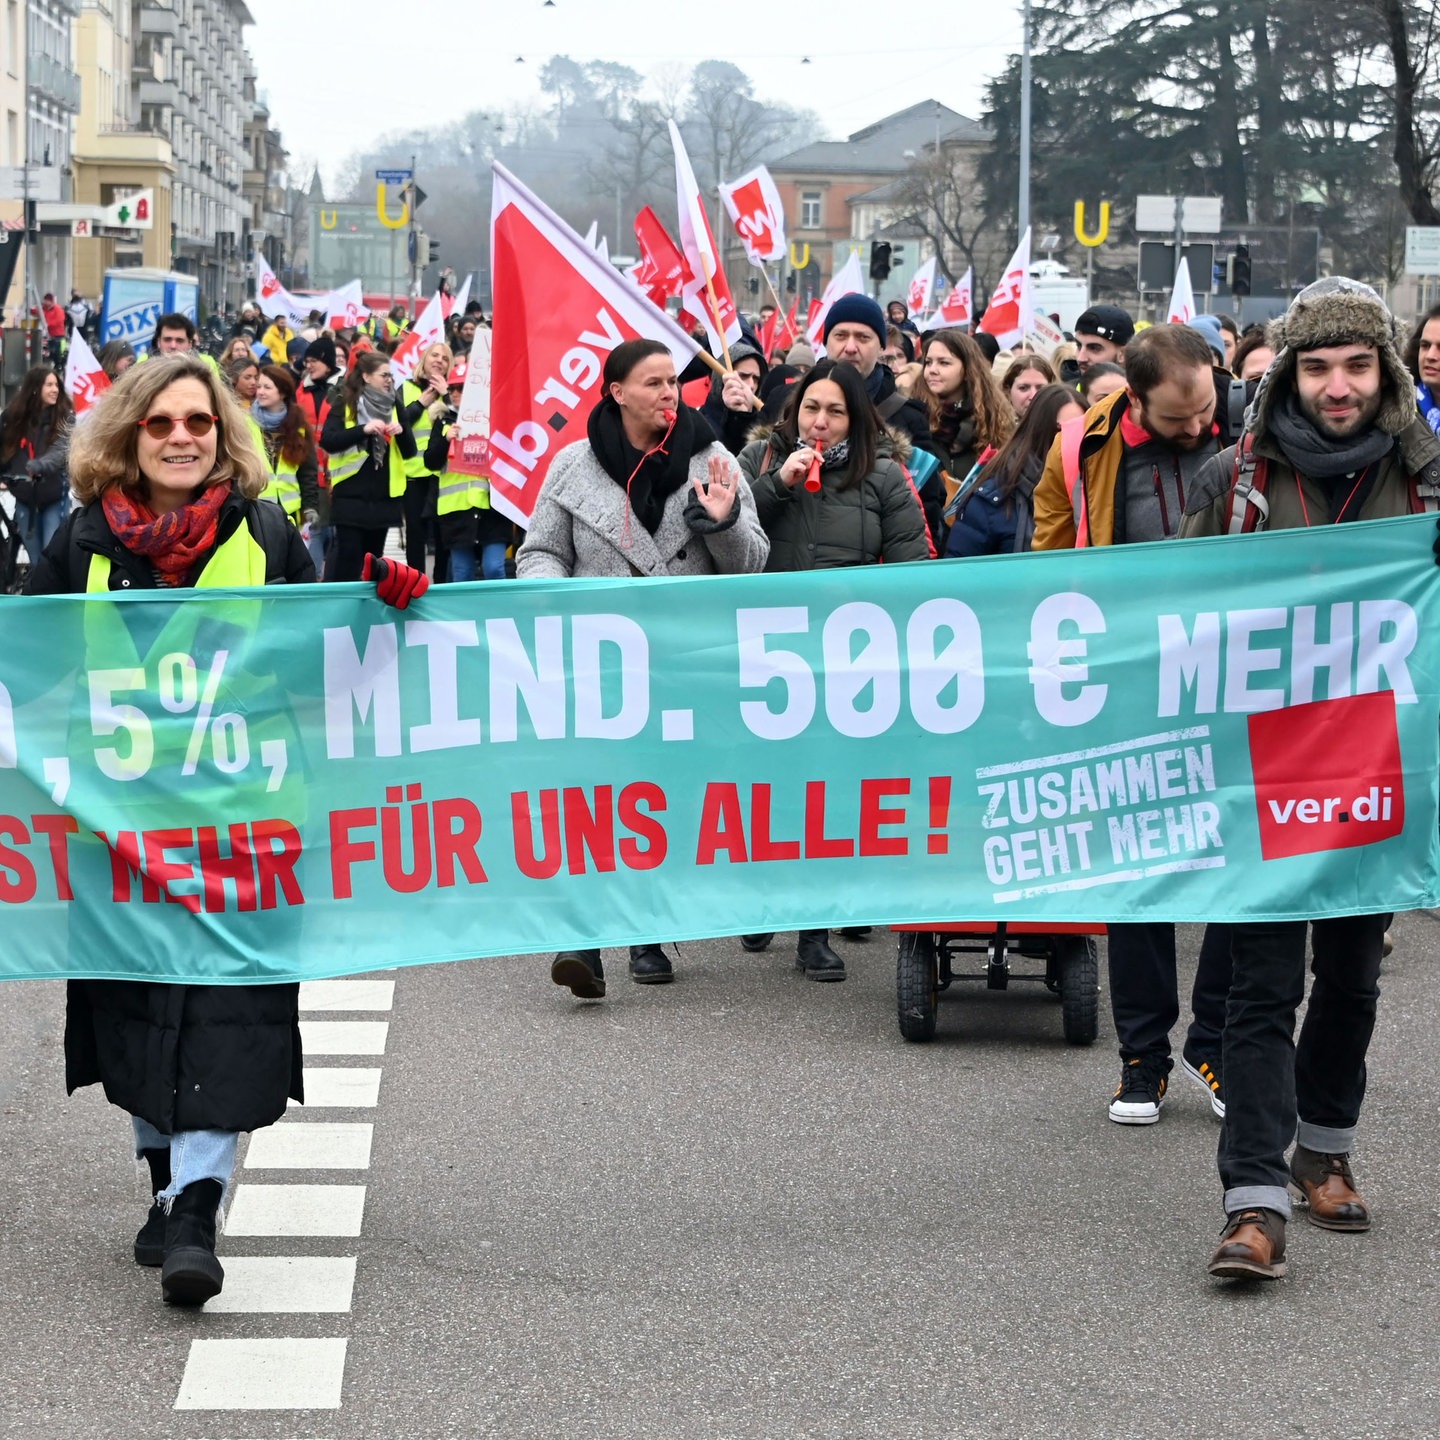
(1252, 1247)
(1326, 1186)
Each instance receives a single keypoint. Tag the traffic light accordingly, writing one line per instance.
(790, 283)
(432, 250)
(1240, 271)
(754, 285)
(880, 260)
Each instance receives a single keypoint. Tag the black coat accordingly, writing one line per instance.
(183, 1057)
(364, 500)
(35, 473)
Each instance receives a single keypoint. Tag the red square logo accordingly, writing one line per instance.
(1327, 775)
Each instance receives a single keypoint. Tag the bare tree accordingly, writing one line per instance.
(1411, 33)
(941, 197)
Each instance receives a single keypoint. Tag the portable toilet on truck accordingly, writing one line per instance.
(136, 297)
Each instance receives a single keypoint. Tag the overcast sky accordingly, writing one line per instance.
(338, 76)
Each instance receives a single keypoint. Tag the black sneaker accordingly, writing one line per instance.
(1203, 1067)
(1139, 1095)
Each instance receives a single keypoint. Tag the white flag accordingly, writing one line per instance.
(848, 280)
(922, 286)
(85, 381)
(706, 290)
(1182, 296)
(428, 330)
(958, 307)
(1011, 305)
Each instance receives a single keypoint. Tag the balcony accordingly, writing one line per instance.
(54, 82)
(158, 18)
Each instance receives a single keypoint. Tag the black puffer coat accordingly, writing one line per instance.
(183, 1057)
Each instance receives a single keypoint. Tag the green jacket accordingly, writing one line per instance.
(878, 519)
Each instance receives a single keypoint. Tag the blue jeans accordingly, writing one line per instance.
(194, 1155)
(37, 527)
(321, 538)
(463, 565)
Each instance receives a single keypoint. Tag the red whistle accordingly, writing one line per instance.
(812, 475)
(670, 416)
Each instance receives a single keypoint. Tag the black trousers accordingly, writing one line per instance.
(352, 544)
(1271, 1082)
(415, 502)
(1145, 993)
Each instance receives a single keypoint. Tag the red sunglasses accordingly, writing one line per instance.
(162, 427)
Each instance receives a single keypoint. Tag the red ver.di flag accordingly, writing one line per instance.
(1008, 315)
(85, 381)
(660, 271)
(559, 311)
(753, 204)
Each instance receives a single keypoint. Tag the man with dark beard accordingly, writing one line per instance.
(1333, 436)
(1122, 475)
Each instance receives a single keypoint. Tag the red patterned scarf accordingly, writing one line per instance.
(173, 542)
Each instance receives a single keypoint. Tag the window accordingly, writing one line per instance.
(810, 205)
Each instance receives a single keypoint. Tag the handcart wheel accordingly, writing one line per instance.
(1080, 988)
(917, 984)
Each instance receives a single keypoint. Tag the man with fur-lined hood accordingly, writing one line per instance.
(1333, 436)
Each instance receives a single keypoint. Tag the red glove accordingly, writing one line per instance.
(396, 583)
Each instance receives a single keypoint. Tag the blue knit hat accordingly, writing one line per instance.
(1209, 327)
(856, 309)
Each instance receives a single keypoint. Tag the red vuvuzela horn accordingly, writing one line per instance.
(812, 475)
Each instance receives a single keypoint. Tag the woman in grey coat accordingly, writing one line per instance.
(650, 492)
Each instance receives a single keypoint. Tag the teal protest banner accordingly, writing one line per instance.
(299, 782)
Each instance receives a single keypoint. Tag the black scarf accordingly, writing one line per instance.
(660, 473)
(1313, 454)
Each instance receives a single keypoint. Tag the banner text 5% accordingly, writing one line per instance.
(182, 690)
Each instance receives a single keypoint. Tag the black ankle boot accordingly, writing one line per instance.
(754, 944)
(814, 956)
(581, 972)
(191, 1274)
(150, 1242)
(649, 965)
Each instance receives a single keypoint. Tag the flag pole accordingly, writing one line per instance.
(719, 324)
(779, 306)
(756, 403)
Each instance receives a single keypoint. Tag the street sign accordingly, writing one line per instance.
(133, 212)
(1157, 266)
(80, 230)
(1422, 249)
(35, 182)
(394, 177)
(1156, 214)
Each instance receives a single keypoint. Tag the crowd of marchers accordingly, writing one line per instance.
(288, 457)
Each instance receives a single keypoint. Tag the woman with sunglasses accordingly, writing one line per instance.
(167, 478)
(369, 446)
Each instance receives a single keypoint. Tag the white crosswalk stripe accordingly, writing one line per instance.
(310, 1145)
(347, 995)
(285, 1374)
(344, 1037)
(285, 1285)
(296, 1210)
(331, 1088)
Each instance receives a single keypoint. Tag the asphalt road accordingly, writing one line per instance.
(737, 1206)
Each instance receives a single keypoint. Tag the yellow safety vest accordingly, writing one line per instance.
(410, 392)
(462, 492)
(283, 487)
(237, 562)
(345, 463)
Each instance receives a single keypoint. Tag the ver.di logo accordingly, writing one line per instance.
(1327, 775)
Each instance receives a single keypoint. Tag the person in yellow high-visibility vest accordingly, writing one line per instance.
(167, 483)
(475, 536)
(422, 398)
(396, 323)
(368, 445)
(286, 445)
